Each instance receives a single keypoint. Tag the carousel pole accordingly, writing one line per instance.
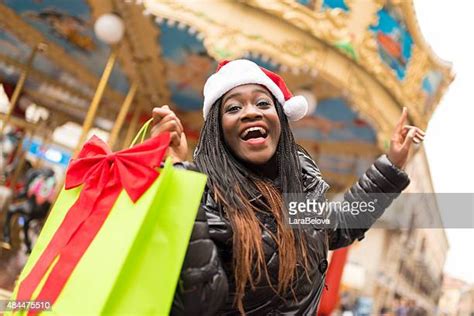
(122, 115)
(132, 128)
(91, 113)
(110, 29)
(20, 84)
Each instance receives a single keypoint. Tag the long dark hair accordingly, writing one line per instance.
(234, 187)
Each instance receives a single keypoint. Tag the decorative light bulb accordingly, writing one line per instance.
(109, 28)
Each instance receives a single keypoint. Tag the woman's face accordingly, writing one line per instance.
(250, 123)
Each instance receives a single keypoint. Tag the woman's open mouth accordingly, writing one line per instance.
(254, 135)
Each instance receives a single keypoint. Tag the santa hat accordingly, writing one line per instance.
(231, 74)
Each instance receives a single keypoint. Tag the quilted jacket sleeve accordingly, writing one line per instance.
(381, 183)
(202, 288)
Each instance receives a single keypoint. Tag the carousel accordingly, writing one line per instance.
(70, 69)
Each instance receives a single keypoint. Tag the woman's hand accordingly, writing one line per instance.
(402, 139)
(165, 120)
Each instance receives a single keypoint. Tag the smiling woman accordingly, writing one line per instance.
(243, 257)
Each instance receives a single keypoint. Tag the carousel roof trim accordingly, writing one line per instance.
(446, 67)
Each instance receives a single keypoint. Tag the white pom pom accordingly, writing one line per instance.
(296, 108)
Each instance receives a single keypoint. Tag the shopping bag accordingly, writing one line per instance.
(132, 251)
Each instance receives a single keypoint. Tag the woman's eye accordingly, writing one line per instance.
(233, 108)
(263, 103)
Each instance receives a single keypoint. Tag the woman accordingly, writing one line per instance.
(243, 258)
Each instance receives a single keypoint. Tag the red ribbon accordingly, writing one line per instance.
(104, 174)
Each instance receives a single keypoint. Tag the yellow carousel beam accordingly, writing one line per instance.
(132, 127)
(122, 115)
(91, 113)
(19, 85)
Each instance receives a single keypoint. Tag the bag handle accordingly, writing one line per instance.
(142, 133)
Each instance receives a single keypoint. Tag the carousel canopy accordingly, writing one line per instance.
(357, 62)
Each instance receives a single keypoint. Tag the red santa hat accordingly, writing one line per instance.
(231, 74)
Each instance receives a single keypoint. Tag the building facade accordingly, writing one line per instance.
(401, 266)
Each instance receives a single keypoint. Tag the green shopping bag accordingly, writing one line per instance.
(133, 263)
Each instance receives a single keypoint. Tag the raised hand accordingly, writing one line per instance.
(165, 120)
(402, 139)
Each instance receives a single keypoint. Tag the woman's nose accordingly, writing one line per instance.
(251, 112)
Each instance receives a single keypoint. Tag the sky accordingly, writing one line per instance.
(447, 27)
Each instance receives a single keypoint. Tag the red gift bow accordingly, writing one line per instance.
(103, 175)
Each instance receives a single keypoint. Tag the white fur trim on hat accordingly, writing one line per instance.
(234, 74)
(296, 108)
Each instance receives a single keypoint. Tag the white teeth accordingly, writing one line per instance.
(248, 130)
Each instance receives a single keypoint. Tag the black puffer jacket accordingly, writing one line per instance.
(206, 285)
